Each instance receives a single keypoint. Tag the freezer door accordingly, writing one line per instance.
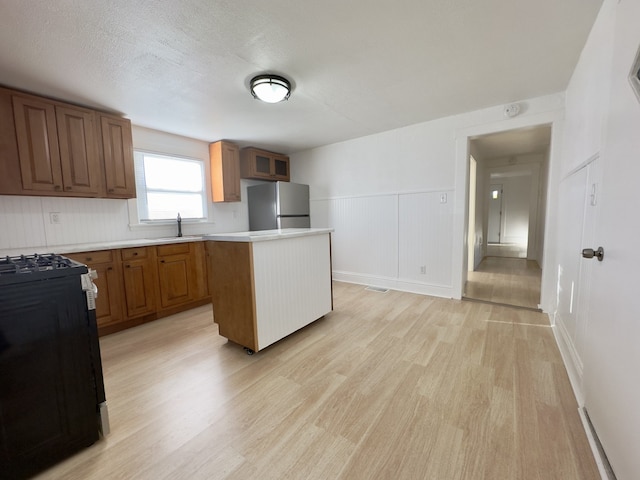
(292, 198)
(294, 222)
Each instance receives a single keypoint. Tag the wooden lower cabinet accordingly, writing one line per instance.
(140, 280)
(175, 274)
(141, 284)
(109, 282)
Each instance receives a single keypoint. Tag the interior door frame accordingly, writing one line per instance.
(460, 258)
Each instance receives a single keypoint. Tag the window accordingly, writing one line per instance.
(168, 185)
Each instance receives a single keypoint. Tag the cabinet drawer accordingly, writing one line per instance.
(134, 253)
(173, 249)
(93, 258)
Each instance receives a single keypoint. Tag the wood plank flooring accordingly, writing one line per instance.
(509, 281)
(388, 386)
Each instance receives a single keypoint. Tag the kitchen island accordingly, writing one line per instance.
(268, 284)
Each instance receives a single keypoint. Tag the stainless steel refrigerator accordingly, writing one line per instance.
(278, 205)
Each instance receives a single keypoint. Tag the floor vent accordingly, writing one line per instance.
(377, 289)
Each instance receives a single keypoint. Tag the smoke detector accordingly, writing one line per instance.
(511, 110)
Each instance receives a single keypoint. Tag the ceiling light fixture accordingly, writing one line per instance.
(270, 88)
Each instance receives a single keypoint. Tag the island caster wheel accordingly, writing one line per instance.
(249, 351)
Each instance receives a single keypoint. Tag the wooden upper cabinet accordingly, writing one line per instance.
(263, 165)
(224, 160)
(53, 148)
(117, 150)
(78, 150)
(57, 147)
(37, 136)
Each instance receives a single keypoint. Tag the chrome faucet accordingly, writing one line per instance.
(179, 219)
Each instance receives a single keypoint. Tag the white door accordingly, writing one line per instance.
(573, 211)
(495, 214)
(612, 350)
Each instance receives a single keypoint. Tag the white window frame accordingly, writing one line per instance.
(135, 220)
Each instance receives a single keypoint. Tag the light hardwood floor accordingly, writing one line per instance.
(510, 281)
(388, 386)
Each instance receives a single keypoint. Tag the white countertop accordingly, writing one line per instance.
(265, 235)
(257, 236)
(92, 247)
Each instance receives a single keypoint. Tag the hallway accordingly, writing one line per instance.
(508, 281)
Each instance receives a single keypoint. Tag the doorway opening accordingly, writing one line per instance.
(507, 203)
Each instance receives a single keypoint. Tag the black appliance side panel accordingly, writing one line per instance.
(47, 397)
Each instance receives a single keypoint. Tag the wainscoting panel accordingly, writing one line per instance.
(425, 238)
(21, 222)
(86, 220)
(365, 240)
(385, 240)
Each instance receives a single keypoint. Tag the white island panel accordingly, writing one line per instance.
(292, 284)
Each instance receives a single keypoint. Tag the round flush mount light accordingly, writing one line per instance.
(270, 88)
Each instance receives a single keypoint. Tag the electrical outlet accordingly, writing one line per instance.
(54, 217)
(443, 198)
(423, 269)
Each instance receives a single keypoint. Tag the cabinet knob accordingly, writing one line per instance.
(128, 266)
(109, 268)
(111, 190)
(135, 254)
(89, 259)
(161, 261)
(67, 188)
(57, 187)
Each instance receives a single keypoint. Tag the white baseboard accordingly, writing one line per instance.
(571, 360)
(444, 291)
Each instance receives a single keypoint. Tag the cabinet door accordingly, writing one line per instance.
(139, 287)
(225, 172)
(38, 150)
(109, 308)
(78, 150)
(281, 168)
(109, 300)
(117, 151)
(231, 172)
(175, 275)
(262, 165)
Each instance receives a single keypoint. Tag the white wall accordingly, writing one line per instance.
(586, 105)
(601, 149)
(381, 194)
(26, 225)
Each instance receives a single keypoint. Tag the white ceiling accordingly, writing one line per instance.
(512, 142)
(358, 66)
